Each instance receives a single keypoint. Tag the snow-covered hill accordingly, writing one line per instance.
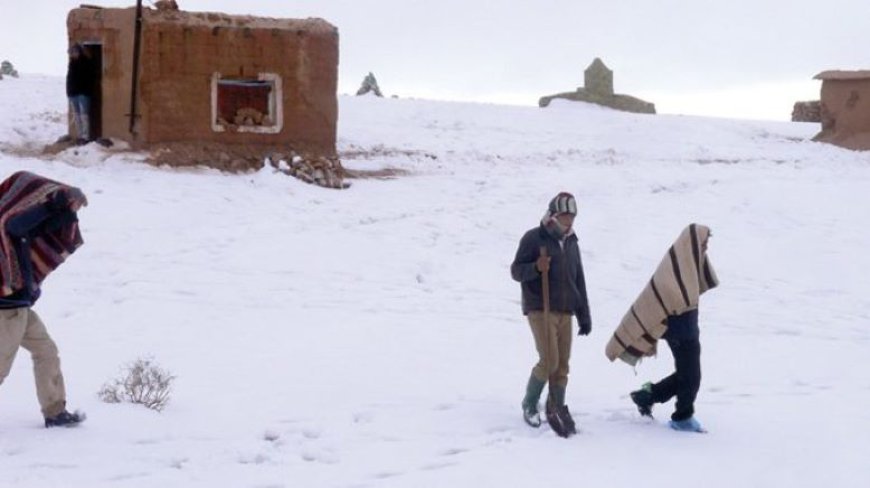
(373, 337)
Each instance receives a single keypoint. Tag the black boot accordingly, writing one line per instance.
(643, 398)
(65, 419)
(558, 415)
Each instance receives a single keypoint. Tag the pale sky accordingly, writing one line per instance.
(725, 58)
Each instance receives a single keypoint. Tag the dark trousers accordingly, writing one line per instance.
(686, 380)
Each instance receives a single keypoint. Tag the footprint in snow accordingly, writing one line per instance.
(437, 466)
(258, 458)
(386, 474)
(323, 457)
(58, 466)
(311, 433)
(271, 436)
(363, 417)
(128, 476)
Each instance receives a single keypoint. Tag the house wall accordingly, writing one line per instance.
(847, 103)
(180, 54)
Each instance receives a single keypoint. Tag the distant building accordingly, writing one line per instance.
(212, 78)
(845, 108)
(598, 89)
(810, 111)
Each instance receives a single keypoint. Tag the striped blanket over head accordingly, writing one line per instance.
(49, 248)
(681, 277)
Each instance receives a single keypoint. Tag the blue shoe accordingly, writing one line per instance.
(687, 425)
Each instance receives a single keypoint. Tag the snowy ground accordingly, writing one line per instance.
(373, 337)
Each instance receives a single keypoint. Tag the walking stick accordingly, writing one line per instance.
(545, 289)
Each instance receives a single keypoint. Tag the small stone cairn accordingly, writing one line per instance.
(369, 85)
(7, 69)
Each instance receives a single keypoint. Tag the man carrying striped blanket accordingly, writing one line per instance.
(668, 308)
(38, 231)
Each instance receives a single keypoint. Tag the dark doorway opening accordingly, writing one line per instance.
(94, 52)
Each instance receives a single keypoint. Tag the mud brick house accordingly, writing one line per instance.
(845, 108)
(211, 78)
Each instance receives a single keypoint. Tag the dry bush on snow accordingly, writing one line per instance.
(141, 382)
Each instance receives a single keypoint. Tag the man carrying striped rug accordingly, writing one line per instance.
(38, 231)
(667, 308)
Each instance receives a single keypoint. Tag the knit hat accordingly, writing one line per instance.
(563, 203)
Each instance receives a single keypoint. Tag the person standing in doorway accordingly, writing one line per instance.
(551, 250)
(80, 90)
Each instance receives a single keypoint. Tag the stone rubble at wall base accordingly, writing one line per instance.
(320, 171)
(324, 171)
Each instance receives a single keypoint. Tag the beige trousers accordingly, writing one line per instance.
(22, 327)
(553, 356)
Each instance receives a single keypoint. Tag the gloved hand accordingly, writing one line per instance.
(585, 328)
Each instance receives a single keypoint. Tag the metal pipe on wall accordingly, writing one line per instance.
(137, 39)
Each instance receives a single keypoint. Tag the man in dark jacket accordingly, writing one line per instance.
(80, 83)
(38, 230)
(567, 298)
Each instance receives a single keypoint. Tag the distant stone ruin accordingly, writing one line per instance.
(369, 85)
(166, 5)
(598, 89)
(7, 69)
(807, 112)
(845, 109)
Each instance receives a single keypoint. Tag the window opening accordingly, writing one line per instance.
(247, 105)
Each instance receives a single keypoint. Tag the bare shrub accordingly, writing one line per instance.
(141, 381)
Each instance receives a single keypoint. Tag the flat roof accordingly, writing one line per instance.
(842, 75)
(207, 19)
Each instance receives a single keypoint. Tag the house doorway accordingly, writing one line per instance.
(94, 52)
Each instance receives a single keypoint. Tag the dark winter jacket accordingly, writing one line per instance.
(80, 77)
(683, 327)
(567, 281)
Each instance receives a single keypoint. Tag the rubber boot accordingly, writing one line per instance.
(557, 395)
(530, 401)
(558, 415)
